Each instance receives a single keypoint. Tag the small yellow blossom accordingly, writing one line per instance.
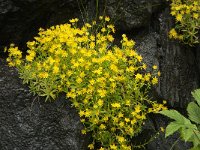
(173, 33)
(113, 146)
(155, 67)
(116, 105)
(102, 126)
(162, 129)
(154, 80)
(83, 131)
(107, 18)
(179, 17)
(138, 76)
(91, 146)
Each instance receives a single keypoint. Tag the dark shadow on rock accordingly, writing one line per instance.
(27, 122)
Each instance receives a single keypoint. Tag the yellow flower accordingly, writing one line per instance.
(29, 58)
(130, 69)
(139, 58)
(121, 124)
(103, 30)
(173, 13)
(91, 146)
(138, 76)
(120, 115)
(137, 108)
(113, 146)
(111, 27)
(100, 102)
(79, 80)
(127, 120)
(144, 66)
(102, 93)
(179, 17)
(107, 18)
(81, 113)
(121, 139)
(55, 69)
(155, 67)
(92, 82)
(102, 126)
(147, 77)
(114, 68)
(132, 53)
(128, 102)
(133, 121)
(100, 17)
(162, 129)
(73, 20)
(159, 73)
(154, 80)
(71, 94)
(87, 113)
(43, 75)
(98, 71)
(195, 15)
(116, 105)
(173, 33)
(83, 131)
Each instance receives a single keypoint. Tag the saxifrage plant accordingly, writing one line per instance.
(107, 84)
(187, 21)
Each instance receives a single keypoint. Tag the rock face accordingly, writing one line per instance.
(133, 14)
(21, 19)
(177, 62)
(178, 65)
(29, 123)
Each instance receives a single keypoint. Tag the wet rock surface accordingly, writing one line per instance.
(130, 14)
(27, 122)
(178, 65)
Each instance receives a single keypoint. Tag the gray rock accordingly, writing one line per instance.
(27, 122)
(198, 57)
(178, 66)
(130, 14)
(177, 62)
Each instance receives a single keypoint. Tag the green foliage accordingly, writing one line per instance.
(187, 17)
(188, 128)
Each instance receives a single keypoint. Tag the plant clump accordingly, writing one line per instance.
(187, 17)
(107, 84)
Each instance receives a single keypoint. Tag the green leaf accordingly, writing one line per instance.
(195, 148)
(173, 114)
(172, 127)
(195, 139)
(194, 112)
(186, 134)
(196, 95)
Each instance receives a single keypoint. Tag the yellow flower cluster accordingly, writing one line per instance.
(187, 16)
(14, 57)
(103, 81)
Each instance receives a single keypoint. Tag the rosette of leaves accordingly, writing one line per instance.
(189, 128)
